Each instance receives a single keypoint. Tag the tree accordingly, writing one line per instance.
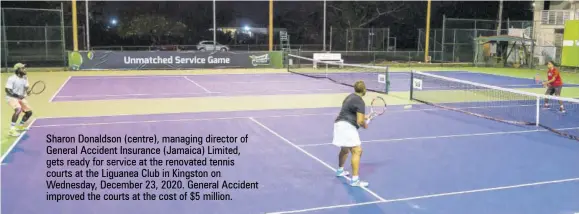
(157, 28)
(356, 14)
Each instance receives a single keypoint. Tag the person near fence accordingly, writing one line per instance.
(16, 87)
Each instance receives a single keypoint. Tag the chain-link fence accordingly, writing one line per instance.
(35, 36)
(359, 39)
(454, 42)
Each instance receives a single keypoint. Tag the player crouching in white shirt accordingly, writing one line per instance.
(16, 91)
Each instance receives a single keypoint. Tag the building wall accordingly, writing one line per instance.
(549, 37)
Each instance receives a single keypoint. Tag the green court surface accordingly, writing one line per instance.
(55, 78)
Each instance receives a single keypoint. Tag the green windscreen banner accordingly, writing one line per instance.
(167, 60)
(570, 55)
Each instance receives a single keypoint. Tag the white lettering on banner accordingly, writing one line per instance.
(147, 60)
(215, 60)
(194, 60)
(177, 59)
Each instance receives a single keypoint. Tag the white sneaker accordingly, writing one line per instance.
(358, 183)
(341, 173)
(14, 133)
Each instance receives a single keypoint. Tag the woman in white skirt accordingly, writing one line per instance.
(351, 118)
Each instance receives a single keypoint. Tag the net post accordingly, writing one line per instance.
(537, 110)
(411, 83)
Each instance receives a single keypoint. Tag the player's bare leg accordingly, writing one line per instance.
(558, 93)
(13, 130)
(356, 156)
(342, 157)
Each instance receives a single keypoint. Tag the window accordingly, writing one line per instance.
(555, 17)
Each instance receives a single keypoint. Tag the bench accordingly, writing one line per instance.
(328, 57)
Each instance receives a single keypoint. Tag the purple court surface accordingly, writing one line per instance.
(79, 88)
(421, 160)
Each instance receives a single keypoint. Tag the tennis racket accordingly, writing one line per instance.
(377, 108)
(37, 88)
(538, 79)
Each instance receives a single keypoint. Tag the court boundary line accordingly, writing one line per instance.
(197, 84)
(120, 95)
(18, 139)
(176, 75)
(181, 76)
(444, 136)
(310, 155)
(499, 188)
(201, 93)
(59, 89)
(225, 118)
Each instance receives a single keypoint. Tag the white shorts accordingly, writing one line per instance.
(346, 135)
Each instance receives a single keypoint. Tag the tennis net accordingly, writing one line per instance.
(496, 103)
(375, 77)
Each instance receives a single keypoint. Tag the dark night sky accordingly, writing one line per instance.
(237, 14)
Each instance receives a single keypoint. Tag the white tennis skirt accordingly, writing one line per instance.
(345, 135)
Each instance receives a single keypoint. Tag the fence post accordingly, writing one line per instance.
(5, 42)
(62, 35)
(331, 33)
(46, 42)
(347, 40)
(453, 46)
(433, 47)
(443, 29)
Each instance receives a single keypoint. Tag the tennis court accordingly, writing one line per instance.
(141, 87)
(79, 88)
(413, 164)
(424, 159)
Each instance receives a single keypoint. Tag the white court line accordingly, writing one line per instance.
(121, 95)
(173, 76)
(227, 118)
(169, 94)
(59, 89)
(310, 155)
(443, 136)
(209, 81)
(197, 84)
(16, 141)
(431, 196)
(125, 77)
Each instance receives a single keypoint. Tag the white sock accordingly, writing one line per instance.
(341, 169)
(354, 178)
